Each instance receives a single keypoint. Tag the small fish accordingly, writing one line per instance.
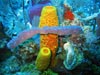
(98, 25)
(98, 20)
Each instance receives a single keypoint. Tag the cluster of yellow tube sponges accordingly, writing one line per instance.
(49, 18)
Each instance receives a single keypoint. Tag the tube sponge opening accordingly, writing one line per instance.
(45, 51)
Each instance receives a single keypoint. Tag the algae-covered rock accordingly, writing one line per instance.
(30, 68)
(96, 69)
(49, 72)
(11, 65)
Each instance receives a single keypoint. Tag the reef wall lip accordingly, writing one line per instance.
(59, 30)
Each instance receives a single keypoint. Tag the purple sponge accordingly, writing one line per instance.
(60, 30)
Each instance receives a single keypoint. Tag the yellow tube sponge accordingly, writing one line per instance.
(43, 58)
(49, 18)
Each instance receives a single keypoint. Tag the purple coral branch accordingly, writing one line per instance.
(61, 30)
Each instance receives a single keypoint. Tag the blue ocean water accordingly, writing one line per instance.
(78, 32)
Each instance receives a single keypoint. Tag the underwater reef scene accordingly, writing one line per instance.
(49, 37)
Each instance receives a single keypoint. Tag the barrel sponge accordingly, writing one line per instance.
(43, 59)
(49, 18)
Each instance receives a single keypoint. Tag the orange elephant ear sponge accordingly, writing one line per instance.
(49, 18)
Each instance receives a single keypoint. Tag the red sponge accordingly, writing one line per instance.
(68, 15)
